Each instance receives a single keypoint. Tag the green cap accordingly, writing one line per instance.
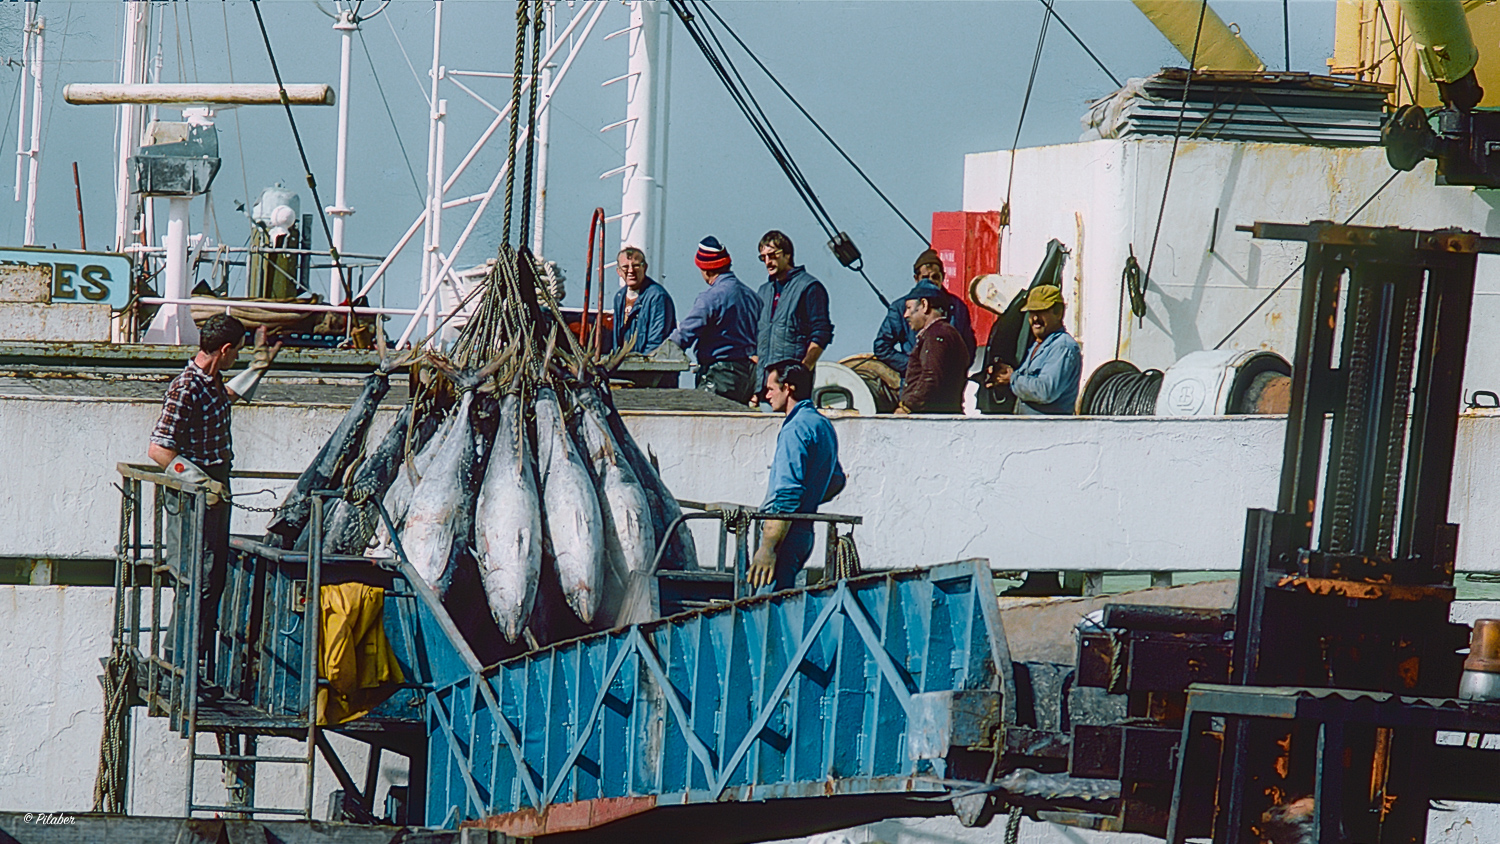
(1043, 297)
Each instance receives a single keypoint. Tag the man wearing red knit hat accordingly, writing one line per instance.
(722, 324)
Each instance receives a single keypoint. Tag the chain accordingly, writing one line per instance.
(274, 508)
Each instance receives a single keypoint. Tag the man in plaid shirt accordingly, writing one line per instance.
(193, 434)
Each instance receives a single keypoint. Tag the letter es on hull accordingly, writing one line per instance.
(80, 277)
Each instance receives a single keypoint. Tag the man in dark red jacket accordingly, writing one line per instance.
(939, 365)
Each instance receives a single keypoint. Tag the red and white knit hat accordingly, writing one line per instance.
(711, 255)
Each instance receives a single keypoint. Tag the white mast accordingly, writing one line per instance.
(637, 202)
(346, 26)
(132, 72)
(36, 29)
(432, 227)
(22, 94)
(542, 136)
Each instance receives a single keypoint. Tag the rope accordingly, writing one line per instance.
(312, 183)
(515, 108)
(114, 764)
(1166, 187)
(1013, 826)
(845, 557)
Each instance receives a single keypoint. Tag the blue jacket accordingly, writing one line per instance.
(792, 321)
(805, 471)
(650, 321)
(1046, 382)
(895, 340)
(722, 322)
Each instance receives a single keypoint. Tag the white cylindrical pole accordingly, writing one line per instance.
(340, 209)
(540, 138)
(434, 185)
(178, 327)
(22, 94)
(137, 30)
(36, 128)
(435, 254)
(639, 190)
(663, 126)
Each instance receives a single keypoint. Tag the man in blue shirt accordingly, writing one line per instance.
(805, 473)
(896, 339)
(794, 321)
(644, 313)
(1046, 382)
(722, 324)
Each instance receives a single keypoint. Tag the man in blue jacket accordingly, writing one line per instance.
(896, 339)
(805, 473)
(722, 324)
(644, 312)
(794, 321)
(1046, 382)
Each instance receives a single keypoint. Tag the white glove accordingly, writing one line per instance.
(187, 471)
(244, 384)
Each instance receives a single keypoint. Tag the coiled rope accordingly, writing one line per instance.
(845, 557)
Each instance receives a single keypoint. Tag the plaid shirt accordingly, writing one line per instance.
(195, 418)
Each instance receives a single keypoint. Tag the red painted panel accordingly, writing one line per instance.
(566, 817)
(969, 244)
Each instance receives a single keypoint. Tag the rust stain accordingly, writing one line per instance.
(1408, 670)
(565, 817)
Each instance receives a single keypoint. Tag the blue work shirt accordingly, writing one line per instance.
(1046, 382)
(722, 322)
(804, 473)
(650, 321)
(895, 340)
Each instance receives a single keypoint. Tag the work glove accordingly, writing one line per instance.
(187, 471)
(244, 384)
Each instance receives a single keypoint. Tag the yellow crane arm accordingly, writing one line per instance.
(1219, 48)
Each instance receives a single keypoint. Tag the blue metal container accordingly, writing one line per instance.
(871, 685)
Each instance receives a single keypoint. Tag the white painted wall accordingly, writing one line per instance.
(1080, 493)
(1100, 198)
(51, 715)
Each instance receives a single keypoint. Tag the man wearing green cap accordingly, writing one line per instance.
(1046, 382)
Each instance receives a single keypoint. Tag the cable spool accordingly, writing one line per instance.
(1119, 388)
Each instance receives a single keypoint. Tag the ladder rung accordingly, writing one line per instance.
(246, 810)
(230, 757)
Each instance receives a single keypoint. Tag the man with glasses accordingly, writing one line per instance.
(794, 321)
(644, 313)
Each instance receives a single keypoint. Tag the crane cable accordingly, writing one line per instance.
(816, 125)
(1036, 61)
(713, 51)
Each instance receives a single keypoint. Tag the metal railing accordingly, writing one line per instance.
(745, 524)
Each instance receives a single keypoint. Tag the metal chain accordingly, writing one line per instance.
(246, 507)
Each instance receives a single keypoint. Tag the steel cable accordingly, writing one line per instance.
(1129, 393)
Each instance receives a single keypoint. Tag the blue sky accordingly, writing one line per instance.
(906, 87)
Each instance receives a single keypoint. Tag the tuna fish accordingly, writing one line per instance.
(327, 469)
(681, 552)
(629, 534)
(351, 527)
(398, 497)
(570, 510)
(508, 524)
(437, 509)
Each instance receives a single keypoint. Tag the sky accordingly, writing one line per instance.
(907, 88)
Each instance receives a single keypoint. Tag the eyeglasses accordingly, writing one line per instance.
(771, 256)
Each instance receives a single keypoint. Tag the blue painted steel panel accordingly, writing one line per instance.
(798, 694)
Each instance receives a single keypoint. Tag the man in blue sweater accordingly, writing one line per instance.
(722, 324)
(644, 313)
(805, 473)
(794, 321)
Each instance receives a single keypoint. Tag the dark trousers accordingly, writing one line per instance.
(215, 565)
(732, 379)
